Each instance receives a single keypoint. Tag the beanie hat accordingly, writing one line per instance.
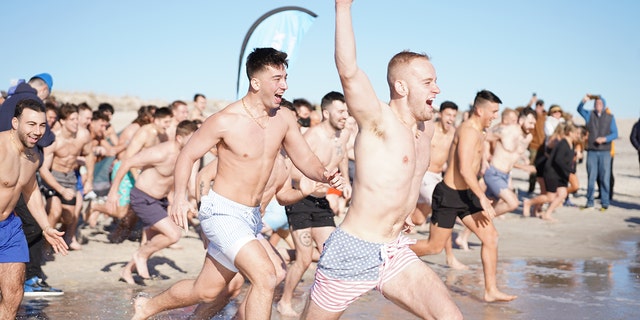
(46, 78)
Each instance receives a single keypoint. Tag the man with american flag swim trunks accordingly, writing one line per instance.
(392, 154)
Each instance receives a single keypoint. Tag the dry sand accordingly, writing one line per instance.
(90, 276)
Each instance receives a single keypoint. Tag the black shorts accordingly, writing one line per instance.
(449, 203)
(66, 180)
(310, 212)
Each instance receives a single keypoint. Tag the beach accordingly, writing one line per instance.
(584, 266)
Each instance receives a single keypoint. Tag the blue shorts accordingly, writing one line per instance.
(496, 181)
(275, 216)
(229, 226)
(13, 244)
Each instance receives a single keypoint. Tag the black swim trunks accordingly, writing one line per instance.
(449, 204)
(66, 180)
(310, 212)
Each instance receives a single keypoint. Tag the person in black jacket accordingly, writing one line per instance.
(39, 85)
(635, 138)
(557, 169)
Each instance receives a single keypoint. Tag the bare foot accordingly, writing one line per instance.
(455, 264)
(498, 296)
(286, 310)
(547, 217)
(526, 208)
(125, 273)
(75, 245)
(462, 243)
(537, 210)
(139, 302)
(141, 266)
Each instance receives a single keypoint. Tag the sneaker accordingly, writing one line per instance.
(36, 287)
(586, 208)
(90, 196)
(603, 209)
(568, 203)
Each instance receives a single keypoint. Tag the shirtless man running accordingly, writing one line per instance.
(19, 161)
(440, 143)
(248, 134)
(509, 141)
(147, 136)
(392, 148)
(312, 219)
(58, 171)
(460, 195)
(149, 197)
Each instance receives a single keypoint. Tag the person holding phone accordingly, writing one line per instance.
(602, 130)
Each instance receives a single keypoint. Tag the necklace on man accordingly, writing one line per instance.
(263, 126)
(27, 152)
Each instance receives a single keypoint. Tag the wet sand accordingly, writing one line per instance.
(585, 266)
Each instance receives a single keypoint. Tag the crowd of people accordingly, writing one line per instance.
(263, 172)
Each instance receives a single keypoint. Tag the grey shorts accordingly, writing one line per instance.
(229, 226)
(68, 180)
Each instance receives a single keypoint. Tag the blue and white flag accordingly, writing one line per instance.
(281, 29)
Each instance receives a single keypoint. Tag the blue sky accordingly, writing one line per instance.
(173, 49)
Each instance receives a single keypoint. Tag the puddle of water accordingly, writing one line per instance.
(547, 289)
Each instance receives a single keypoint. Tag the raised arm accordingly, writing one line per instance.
(584, 113)
(361, 99)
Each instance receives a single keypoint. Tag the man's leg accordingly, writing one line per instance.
(160, 236)
(263, 279)
(605, 170)
(532, 176)
(509, 202)
(213, 278)
(484, 229)
(304, 246)
(11, 287)
(592, 173)
(210, 309)
(420, 291)
(35, 240)
(437, 240)
(70, 225)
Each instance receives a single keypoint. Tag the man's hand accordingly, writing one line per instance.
(111, 203)
(408, 225)
(487, 208)
(179, 212)
(346, 191)
(601, 140)
(308, 186)
(68, 194)
(54, 237)
(334, 179)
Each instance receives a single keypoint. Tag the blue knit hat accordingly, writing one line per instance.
(46, 78)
